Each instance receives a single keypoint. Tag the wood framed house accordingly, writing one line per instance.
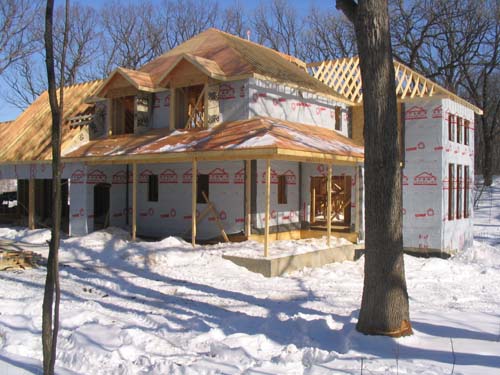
(224, 137)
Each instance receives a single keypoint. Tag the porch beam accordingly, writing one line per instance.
(134, 201)
(31, 203)
(194, 189)
(329, 207)
(268, 207)
(248, 194)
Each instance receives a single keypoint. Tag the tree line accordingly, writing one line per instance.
(455, 43)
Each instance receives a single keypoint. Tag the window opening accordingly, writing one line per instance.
(466, 191)
(202, 186)
(153, 188)
(451, 197)
(459, 191)
(282, 190)
(338, 119)
(451, 127)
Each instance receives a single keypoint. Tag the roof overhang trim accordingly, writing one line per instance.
(102, 90)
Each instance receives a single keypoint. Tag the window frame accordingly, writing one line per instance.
(466, 132)
(466, 191)
(338, 118)
(459, 129)
(202, 184)
(451, 127)
(282, 190)
(451, 195)
(459, 193)
(153, 188)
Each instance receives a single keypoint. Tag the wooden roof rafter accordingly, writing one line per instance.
(344, 76)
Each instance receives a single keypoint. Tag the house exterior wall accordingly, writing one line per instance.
(280, 101)
(282, 216)
(422, 176)
(457, 233)
(232, 101)
(425, 177)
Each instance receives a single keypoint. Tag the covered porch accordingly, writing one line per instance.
(259, 146)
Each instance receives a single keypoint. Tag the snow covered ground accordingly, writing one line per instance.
(164, 308)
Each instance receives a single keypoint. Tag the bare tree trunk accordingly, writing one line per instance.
(384, 306)
(487, 152)
(52, 293)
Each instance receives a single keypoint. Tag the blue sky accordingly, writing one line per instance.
(8, 112)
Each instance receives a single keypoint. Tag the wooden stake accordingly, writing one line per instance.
(31, 203)
(268, 207)
(194, 189)
(313, 205)
(171, 119)
(248, 194)
(134, 201)
(329, 206)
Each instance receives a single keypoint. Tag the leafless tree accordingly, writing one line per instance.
(456, 43)
(277, 25)
(132, 35)
(328, 35)
(27, 80)
(16, 37)
(83, 42)
(481, 84)
(52, 292)
(182, 20)
(233, 20)
(384, 305)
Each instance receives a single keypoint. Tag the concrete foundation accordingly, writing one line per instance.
(279, 265)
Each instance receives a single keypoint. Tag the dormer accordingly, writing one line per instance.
(194, 92)
(129, 97)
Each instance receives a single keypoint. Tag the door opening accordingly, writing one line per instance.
(101, 206)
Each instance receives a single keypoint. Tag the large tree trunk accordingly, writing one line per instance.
(52, 294)
(384, 306)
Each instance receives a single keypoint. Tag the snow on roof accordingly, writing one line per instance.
(252, 134)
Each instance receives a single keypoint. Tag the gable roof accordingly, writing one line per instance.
(227, 57)
(344, 76)
(259, 137)
(28, 137)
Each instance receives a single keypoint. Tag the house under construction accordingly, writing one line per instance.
(222, 138)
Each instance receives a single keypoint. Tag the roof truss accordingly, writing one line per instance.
(344, 76)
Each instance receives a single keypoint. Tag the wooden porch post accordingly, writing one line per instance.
(248, 194)
(31, 203)
(357, 174)
(134, 201)
(313, 205)
(194, 190)
(268, 207)
(329, 206)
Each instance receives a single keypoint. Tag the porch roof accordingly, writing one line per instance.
(256, 138)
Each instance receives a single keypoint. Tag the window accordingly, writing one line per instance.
(282, 196)
(123, 115)
(338, 119)
(202, 187)
(466, 132)
(466, 191)
(451, 196)
(153, 188)
(459, 129)
(459, 191)
(189, 107)
(451, 127)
